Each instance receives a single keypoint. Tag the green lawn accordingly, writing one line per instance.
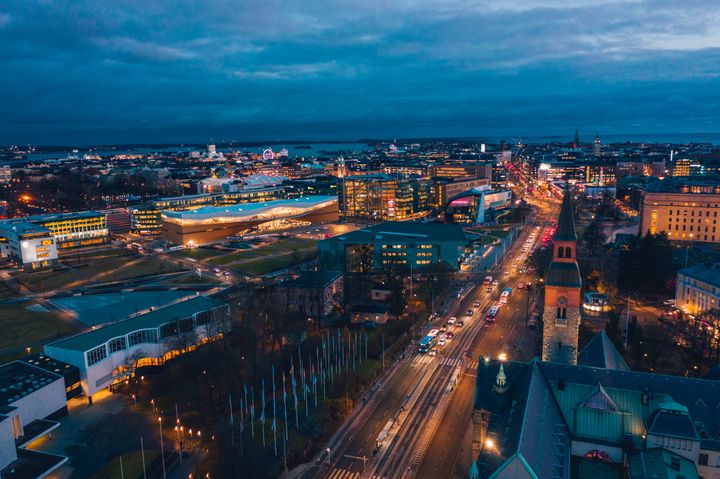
(22, 327)
(116, 268)
(279, 247)
(197, 253)
(131, 466)
(273, 263)
(192, 278)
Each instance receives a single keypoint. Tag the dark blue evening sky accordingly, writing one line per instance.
(92, 71)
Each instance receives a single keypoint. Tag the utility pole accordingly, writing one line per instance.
(627, 322)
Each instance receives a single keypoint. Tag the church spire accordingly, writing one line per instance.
(566, 223)
(500, 381)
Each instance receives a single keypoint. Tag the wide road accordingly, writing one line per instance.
(414, 389)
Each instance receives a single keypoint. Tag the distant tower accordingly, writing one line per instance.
(576, 141)
(597, 146)
(561, 317)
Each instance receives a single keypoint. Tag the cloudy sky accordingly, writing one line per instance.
(96, 71)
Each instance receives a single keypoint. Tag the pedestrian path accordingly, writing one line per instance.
(453, 362)
(338, 473)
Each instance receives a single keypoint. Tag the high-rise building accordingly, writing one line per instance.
(681, 167)
(385, 197)
(597, 146)
(561, 316)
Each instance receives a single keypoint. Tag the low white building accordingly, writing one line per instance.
(698, 288)
(31, 401)
(110, 354)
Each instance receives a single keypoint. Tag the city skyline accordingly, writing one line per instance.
(98, 74)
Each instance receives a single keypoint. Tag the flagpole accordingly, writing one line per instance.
(285, 406)
(252, 413)
(142, 452)
(274, 423)
(262, 414)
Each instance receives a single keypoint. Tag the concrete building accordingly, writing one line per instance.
(462, 170)
(445, 188)
(69, 230)
(686, 208)
(401, 245)
(561, 315)
(594, 419)
(112, 352)
(698, 288)
(31, 401)
(213, 223)
(312, 293)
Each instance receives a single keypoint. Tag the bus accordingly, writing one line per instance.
(505, 295)
(492, 314)
(427, 343)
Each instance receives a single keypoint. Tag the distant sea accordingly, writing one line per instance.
(309, 150)
(295, 150)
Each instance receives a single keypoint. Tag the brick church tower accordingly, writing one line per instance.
(561, 317)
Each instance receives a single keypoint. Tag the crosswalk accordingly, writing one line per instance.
(425, 359)
(453, 362)
(338, 473)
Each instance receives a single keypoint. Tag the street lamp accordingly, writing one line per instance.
(162, 450)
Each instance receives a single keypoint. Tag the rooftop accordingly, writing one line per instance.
(19, 379)
(405, 231)
(152, 320)
(249, 210)
(566, 222)
(707, 273)
(601, 353)
(679, 184)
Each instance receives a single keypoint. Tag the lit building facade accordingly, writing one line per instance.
(698, 288)
(108, 354)
(147, 219)
(686, 208)
(401, 245)
(32, 247)
(213, 223)
(476, 206)
(383, 197)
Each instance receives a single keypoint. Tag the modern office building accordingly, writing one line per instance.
(462, 170)
(395, 244)
(33, 242)
(111, 353)
(32, 399)
(698, 288)
(147, 219)
(476, 206)
(595, 419)
(600, 173)
(445, 188)
(31, 247)
(212, 223)
(382, 197)
(684, 207)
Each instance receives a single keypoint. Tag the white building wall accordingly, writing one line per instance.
(41, 403)
(7, 442)
(100, 375)
(686, 448)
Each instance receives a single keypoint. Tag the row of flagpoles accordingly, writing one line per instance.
(336, 355)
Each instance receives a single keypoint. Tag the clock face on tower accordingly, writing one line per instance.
(562, 300)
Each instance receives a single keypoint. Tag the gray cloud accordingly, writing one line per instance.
(92, 71)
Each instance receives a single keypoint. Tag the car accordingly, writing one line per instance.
(495, 283)
(449, 335)
(519, 258)
(521, 286)
(459, 324)
(216, 270)
(452, 320)
(433, 352)
(528, 286)
(514, 265)
(444, 328)
(469, 312)
(441, 342)
(476, 304)
(488, 289)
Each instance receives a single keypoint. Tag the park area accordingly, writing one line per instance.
(95, 270)
(280, 247)
(26, 324)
